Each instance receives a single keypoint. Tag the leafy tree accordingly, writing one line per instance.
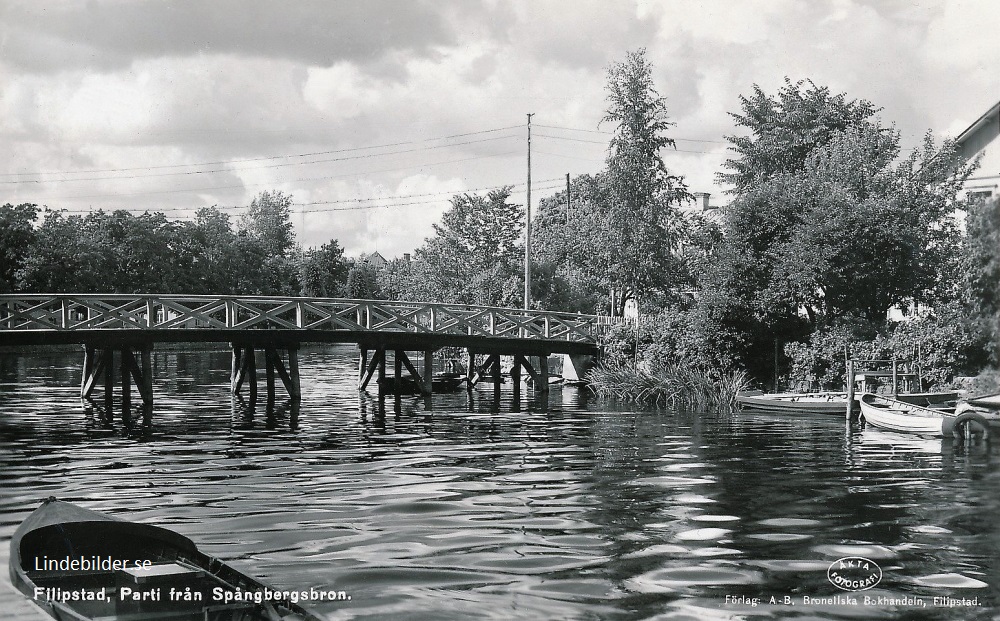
(362, 282)
(62, 258)
(268, 222)
(786, 128)
(323, 271)
(638, 230)
(17, 234)
(982, 268)
(475, 255)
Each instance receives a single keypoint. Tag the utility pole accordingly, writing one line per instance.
(569, 201)
(527, 228)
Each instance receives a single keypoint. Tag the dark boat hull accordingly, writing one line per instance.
(78, 564)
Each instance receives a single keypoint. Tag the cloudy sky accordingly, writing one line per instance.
(371, 114)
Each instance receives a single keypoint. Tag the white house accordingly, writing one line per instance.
(981, 137)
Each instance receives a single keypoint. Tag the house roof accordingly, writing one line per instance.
(979, 124)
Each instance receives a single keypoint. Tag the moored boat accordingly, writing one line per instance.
(832, 402)
(794, 403)
(77, 564)
(895, 415)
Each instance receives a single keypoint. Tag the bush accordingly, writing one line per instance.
(944, 343)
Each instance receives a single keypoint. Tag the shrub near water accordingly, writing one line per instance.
(674, 386)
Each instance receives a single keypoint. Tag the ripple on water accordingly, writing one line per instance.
(869, 551)
(675, 578)
(950, 581)
(703, 534)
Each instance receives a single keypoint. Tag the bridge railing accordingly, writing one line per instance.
(61, 312)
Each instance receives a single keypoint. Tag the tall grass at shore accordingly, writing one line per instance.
(672, 386)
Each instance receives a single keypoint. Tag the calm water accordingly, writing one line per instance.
(568, 509)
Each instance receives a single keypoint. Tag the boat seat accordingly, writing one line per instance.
(161, 572)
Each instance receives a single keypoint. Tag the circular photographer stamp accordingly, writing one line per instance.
(854, 573)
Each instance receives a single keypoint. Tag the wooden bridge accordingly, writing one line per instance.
(131, 325)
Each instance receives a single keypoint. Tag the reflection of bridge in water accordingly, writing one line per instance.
(127, 327)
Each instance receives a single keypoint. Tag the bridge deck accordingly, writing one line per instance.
(118, 320)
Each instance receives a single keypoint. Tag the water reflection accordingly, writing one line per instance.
(508, 506)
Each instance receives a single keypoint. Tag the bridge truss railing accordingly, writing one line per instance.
(67, 312)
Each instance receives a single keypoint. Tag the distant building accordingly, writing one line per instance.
(981, 137)
(703, 206)
(375, 259)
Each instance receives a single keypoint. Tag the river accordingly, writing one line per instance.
(468, 508)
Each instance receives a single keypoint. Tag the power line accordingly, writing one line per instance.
(272, 183)
(258, 159)
(282, 165)
(605, 143)
(347, 208)
(607, 133)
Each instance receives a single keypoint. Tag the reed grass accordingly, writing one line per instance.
(673, 386)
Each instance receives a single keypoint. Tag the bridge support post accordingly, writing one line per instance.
(245, 371)
(125, 372)
(397, 372)
(515, 380)
(428, 375)
(109, 381)
(543, 373)
(381, 373)
(497, 376)
(362, 367)
(377, 362)
(472, 373)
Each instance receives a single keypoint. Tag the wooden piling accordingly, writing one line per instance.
(146, 370)
(88, 370)
(251, 373)
(850, 390)
(125, 372)
(362, 367)
(269, 355)
(895, 378)
(397, 371)
(381, 374)
(543, 373)
(109, 381)
(428, 376)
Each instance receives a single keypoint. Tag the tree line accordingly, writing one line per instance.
(830, 224)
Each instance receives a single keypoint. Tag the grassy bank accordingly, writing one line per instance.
(675, 387)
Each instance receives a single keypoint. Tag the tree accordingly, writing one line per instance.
(786, 128)
(639, 229)
(63, 258)
(362, 282)
(982, 263)
(17, 234)
(268, 222)
(827, 221)
(475, 255)
(323, 271)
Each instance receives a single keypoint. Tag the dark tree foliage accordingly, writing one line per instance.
(17, 234)
(475, 256)
(982, 262)
(323, 271)
(785, 128)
